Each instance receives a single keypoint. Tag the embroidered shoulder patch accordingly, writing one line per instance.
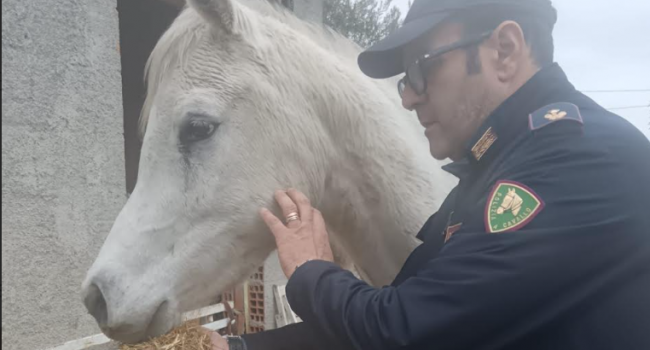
(553, 113)
(511, 206)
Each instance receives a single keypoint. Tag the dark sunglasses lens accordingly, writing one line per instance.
(416, 80)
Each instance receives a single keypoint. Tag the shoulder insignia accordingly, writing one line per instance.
(510, 206)
(552, 113)
(483, 144)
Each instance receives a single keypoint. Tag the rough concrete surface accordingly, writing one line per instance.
(62, 162)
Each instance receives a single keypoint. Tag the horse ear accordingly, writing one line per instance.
(218, 12)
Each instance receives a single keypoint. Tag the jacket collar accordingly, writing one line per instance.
(510, 119)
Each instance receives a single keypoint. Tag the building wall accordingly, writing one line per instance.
(62, 162)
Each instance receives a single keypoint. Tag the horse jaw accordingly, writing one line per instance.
(146, 284)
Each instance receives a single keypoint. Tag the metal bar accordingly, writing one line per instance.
(206, 311)
(217, 325)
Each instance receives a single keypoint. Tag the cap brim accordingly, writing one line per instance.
(384, 58)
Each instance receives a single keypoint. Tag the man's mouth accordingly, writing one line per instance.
(427, 124)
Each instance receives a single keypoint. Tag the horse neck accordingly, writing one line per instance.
(381, 184)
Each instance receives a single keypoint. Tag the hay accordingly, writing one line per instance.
(188, 336)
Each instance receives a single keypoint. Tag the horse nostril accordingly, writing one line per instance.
(96, 304)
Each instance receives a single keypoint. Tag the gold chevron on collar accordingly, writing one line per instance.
(484, 143)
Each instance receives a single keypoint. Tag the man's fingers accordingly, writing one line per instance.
(288, 208)
(321, 237)
(319, 222)
(275, 225)
(304, 206)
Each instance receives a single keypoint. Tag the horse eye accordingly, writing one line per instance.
(197, 130)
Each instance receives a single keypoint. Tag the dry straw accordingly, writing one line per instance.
(189, 336)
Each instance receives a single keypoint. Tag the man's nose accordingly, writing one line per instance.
(410, 99)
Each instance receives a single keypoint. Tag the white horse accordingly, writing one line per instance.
(244, 99)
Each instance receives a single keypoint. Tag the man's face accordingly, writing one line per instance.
(456, 101)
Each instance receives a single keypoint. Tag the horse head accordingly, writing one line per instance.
(240, 103)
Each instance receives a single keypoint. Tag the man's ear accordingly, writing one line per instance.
(511, 49)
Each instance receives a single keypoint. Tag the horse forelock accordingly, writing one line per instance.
(182, 38)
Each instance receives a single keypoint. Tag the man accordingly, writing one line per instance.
(544, 243)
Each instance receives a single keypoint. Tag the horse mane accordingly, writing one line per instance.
(182, 37)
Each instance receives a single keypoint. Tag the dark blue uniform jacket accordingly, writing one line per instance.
(544, 243)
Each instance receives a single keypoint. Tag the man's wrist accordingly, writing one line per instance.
(298, 266)
(304, 262)
(236, 343)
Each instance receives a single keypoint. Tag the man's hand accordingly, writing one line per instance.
(300, 240)
(218, 342)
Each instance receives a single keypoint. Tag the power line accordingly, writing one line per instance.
(611, 91)
(629, 107)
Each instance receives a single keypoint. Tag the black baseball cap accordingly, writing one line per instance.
(384, 58)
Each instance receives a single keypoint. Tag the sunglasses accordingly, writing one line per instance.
(416, 73)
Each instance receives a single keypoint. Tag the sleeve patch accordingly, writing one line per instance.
(511, 206)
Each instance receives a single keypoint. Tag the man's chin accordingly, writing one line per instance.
(438, 152)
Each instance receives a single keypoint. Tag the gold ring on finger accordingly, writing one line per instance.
(292, 217)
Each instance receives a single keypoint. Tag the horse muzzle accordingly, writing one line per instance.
(123, 320)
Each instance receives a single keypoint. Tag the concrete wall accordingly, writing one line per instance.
(62, 162)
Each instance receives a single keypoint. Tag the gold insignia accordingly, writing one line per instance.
(555, 114)
(484, 143)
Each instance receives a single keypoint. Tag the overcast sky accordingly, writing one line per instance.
(604, 45)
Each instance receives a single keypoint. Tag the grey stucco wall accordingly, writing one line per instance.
(62, 162)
